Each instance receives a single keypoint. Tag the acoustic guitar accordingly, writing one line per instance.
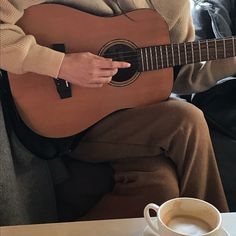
(140, 37)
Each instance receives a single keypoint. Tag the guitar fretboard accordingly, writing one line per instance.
(169, 55)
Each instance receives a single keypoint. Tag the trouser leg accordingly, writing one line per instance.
(79, 186)
(175, 129)
(138, 181)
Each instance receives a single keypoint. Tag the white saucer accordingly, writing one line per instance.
(224, 232)
(149, 232)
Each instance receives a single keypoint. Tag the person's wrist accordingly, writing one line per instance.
(62, 70)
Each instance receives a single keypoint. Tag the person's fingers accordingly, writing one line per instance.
(101, 80)
(106, 72)
(109, 64)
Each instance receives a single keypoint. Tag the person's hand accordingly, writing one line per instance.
(89, 70)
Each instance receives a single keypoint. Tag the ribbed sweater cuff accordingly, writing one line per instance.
(43, 60)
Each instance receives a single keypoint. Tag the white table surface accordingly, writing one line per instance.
(121, 227)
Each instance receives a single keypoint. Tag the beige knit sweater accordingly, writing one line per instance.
(20, 53)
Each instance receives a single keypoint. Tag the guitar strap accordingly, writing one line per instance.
(63, 87)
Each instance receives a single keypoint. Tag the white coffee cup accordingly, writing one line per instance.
(185, 216)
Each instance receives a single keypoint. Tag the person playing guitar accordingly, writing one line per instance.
(102, 72)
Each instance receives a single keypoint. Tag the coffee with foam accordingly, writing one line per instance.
(188, 225)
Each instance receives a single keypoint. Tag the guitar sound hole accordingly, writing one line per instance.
(123, 52)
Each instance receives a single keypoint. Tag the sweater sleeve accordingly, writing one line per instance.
(199, 76)
(20, 53)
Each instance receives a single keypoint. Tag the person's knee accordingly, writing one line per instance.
(191, 116)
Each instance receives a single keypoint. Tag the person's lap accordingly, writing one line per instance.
(110, 143)
(136, 142)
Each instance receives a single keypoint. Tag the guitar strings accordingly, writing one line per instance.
(137, 56)
(133, 54)
(166, 45)
(162, 63)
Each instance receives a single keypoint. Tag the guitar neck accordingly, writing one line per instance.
(169, 55)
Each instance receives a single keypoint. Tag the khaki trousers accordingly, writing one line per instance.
(158, 152)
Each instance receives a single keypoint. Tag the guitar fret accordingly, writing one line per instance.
(228, 44)
(142, 59)
(207, 49)
(173, 50)
(220, 49)
(212, 51)
(156, 58)
(151, 58)
(146, 56)
(224, 48)
(173, 54)
(162, 63)
(185, 53)
(233, 46)
(179, 54)
(170, 55)
(189, 58)
(167, 57)
(200, 52)
(159, 58)
(155, 63)
(193, 58)
(189, 52)
(195, 51)
(216, 52)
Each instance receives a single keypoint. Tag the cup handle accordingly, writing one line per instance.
(147, 217)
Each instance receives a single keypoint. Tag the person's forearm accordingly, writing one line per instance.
(20, 53)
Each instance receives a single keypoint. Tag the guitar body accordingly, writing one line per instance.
(36, 97)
